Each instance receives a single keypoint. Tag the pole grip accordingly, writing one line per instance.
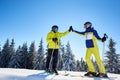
(105, 35)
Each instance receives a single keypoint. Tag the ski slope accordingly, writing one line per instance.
(25, 74)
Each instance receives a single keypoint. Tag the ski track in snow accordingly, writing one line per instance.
(24, 74)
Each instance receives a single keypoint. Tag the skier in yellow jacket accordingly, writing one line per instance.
(53, 39)
(91, 35)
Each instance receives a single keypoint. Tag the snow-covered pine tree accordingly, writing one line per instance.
(65, 59)
(31, 56)
(23, 56)
(112, 58)
(62, 52)
(12, 50)
(16, 59)
(5, 56)
(117, 63)
(78, 66)
(12, 47)
(83, 65)
(60, 60)
(40, 57)
(68, 59)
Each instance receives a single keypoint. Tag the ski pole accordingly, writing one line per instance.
(105, 35)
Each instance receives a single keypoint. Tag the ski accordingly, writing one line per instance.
(80, 75)
(66, 74)
(108, 78)
(73, 75)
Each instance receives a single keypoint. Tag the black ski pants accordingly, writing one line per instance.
(52, 54)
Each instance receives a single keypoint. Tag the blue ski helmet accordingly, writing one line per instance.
(54, 28)
(88, 23)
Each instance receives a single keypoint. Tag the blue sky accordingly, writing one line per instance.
(31, 20)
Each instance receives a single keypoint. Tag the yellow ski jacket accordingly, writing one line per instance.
(58, 35)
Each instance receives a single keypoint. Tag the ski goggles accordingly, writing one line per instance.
(54, 29)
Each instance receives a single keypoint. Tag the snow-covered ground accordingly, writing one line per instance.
(24, 74)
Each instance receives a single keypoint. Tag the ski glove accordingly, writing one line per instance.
(103, 39)
(55, 39)
(70, 29)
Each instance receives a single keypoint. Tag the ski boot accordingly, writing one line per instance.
(55, 71)
(102, 75)
(90, 74)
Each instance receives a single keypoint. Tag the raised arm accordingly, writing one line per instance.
(67, 32)
(80, 33)
(64, 33)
